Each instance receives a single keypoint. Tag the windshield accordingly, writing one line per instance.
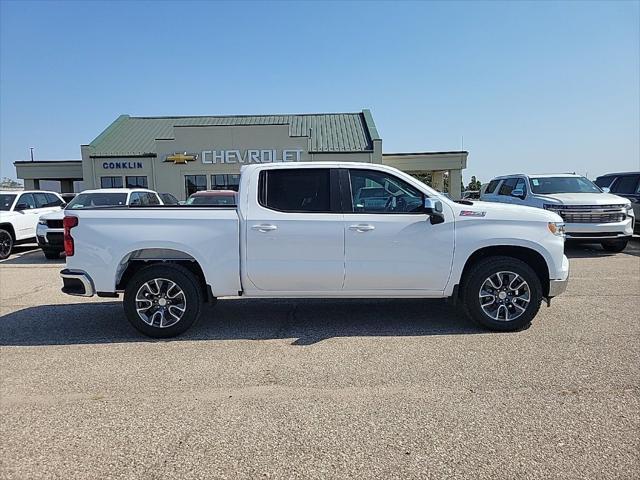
(6, 201)
(212, 200)
(550, 185)
(90, 200)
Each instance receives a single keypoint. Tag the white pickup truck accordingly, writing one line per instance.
(318, 230)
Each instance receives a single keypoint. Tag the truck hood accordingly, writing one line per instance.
(59, 215)
(504, 211)
(584, 199)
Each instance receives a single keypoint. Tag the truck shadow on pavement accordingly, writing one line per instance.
(588, 250)
(305, 321)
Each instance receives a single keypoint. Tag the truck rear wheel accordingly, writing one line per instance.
(163, 301)
(501, 293)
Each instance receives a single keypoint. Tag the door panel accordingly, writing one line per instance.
(27, 221)
(295, 232)
(389, 243)
(294, 253)
(399, 252)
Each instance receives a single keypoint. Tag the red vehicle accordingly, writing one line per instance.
(213, 197)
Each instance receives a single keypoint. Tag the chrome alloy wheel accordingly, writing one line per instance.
(160, 303)
(504, 296)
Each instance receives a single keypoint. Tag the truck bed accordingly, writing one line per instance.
(106, 238)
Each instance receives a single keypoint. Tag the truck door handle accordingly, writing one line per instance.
(362, 227)
(264, 228)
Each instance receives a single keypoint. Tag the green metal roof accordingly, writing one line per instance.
(330, 132)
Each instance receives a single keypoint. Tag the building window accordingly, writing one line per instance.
(110, 182)
(136, 182)
(225, 182)
(195, 183)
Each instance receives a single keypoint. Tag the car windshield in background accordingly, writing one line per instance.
(550, 185)
(212, 200)
(91, 200)
(6, 201)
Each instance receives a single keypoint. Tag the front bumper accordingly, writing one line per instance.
(558, 285)
(50, 237)
(77, 283)
(599, 231)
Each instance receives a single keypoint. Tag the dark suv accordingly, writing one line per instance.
(625, 185)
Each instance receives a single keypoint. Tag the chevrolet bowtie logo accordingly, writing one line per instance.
(183, 157)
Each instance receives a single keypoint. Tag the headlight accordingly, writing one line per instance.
(557, 228)
(629, 209)
(42, 222)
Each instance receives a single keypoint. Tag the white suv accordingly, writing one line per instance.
(19, 214)
(590, 215)
(50, 232)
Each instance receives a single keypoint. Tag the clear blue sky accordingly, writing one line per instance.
(531, 86)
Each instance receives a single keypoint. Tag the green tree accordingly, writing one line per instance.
(474, 184)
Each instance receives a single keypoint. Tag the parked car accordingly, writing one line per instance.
(590, 215)
(168, 199)
(300, 231)
(626, 185)
(19, 213)
(212, 197)
(50, 232)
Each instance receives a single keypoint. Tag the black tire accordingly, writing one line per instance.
(614, 246)
(476, 277)
(51, 254)
(185, 281)
(6, 244)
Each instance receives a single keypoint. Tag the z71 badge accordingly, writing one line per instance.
(472, 213)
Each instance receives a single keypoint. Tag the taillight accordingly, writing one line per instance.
(68, 223)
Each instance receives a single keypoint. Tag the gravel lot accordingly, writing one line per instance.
(322, 389)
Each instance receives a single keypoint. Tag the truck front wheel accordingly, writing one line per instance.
(501, 293)
(163, 300)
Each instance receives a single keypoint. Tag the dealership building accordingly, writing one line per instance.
(181, 155)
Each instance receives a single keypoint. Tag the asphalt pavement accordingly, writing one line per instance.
(321, 388)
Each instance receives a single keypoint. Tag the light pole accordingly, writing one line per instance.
(31, 148)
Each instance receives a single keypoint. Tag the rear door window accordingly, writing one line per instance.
(41, 200)
(300, 190)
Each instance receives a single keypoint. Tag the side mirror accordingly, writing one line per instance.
(22, 206)
(518, 193)
(63, 204)
(605, 189)
(433, 208)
